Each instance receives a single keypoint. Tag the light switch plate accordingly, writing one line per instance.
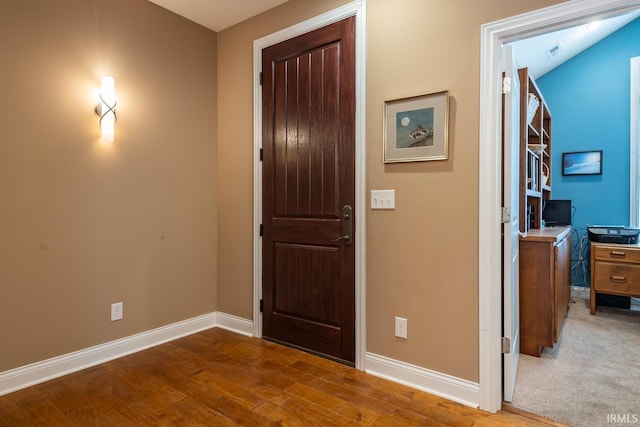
(383, 199)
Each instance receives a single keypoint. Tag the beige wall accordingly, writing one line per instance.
(422, 258)
(83, 225)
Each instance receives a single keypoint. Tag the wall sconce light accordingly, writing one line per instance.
(106, 109)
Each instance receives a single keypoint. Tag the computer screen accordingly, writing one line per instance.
(557, 212)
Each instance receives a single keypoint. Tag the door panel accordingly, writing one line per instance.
(308, 176)
(306, 135)
(511, 229)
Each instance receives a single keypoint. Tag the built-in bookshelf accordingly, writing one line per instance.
(535, 152)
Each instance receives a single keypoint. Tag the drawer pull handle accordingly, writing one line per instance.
(618, 254)
(618, 279)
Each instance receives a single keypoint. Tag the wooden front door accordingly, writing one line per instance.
(308, 137)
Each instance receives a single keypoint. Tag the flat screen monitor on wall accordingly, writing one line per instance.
(557, 212)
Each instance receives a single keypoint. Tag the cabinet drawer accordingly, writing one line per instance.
(617, 254)
(617, 278)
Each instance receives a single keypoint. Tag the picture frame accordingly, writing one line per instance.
(582, 163)
(416, 129)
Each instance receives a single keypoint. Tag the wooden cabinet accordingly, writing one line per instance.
(535, 153)
(545, 287)
(615, 270)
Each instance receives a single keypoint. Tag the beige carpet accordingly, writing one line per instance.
(592, 373)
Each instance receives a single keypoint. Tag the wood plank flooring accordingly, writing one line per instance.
(218, 378)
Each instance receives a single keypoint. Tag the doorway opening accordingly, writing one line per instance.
(493, 37)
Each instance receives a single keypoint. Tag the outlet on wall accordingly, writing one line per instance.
(401, 327)
(116, 311)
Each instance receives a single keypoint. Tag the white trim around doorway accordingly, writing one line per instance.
(493, 36)
(357, 9)
(634, 152)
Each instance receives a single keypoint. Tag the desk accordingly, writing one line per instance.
(615, 270)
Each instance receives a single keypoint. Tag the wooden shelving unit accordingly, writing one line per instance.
(535, 161)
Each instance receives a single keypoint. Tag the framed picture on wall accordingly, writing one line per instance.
(582, 163)
(416, 128)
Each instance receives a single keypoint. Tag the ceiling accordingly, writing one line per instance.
(540, 54)
(543, 53)
(218, 14)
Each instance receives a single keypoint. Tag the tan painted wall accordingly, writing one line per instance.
(82, 225)
(422, 258)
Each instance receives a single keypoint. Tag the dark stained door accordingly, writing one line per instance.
(308, 278)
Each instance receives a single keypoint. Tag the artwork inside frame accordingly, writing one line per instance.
(582, 163)
(416, 129)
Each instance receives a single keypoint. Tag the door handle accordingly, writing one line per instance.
(347, 225)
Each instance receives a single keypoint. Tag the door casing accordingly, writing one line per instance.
(493, 36)
(357, 9)
(634, 130)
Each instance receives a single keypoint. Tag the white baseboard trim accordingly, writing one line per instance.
(235, 324)
(35, 373)
(442, 385)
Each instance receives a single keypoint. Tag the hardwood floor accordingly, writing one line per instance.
(218, 378)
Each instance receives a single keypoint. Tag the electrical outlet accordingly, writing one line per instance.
(401, 327)
(116, 311)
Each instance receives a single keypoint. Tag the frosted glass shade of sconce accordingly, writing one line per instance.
(107, 109)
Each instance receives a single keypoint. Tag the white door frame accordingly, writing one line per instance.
(634, 127)
(357, 9)
(493, 36)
